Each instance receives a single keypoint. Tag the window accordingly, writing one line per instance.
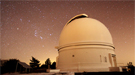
(72, 55)
(100, 58)
(113, 55)
(105, 59)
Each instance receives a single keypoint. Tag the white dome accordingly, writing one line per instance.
(84, 30)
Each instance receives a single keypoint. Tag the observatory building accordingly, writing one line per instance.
(85, 44)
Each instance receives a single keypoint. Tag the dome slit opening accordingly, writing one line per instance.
(77, 17)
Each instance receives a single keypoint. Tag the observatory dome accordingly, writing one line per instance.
(85, 44)
(82, 29)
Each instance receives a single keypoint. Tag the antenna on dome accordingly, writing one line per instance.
(77, 17)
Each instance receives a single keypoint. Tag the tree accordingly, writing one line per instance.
(48, 62)
(9, 66)
(34, 63)
(130, 67)
(53, 66)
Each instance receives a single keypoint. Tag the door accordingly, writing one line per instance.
(114, 60)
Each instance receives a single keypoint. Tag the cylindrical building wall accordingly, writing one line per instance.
(85, 58)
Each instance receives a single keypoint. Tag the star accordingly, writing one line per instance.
(41, 37)
(17, 28)
(20, 19)
(50, 34)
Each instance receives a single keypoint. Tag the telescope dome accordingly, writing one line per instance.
(82, 29)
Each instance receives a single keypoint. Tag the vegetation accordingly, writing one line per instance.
(34, 63)
(130, 67)
(48, 63)
(53, 66)
(9, 66)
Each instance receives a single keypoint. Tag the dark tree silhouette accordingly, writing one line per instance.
(44, 66)
(53, 66)
(9, 66)
(130, 67)
(48, 62)
(34, 63)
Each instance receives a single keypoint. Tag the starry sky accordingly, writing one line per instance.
(32, 28)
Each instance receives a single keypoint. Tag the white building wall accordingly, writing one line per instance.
(84, 58)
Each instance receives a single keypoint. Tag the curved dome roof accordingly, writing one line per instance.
(82, 29)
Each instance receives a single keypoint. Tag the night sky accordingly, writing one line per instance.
(32, 28)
